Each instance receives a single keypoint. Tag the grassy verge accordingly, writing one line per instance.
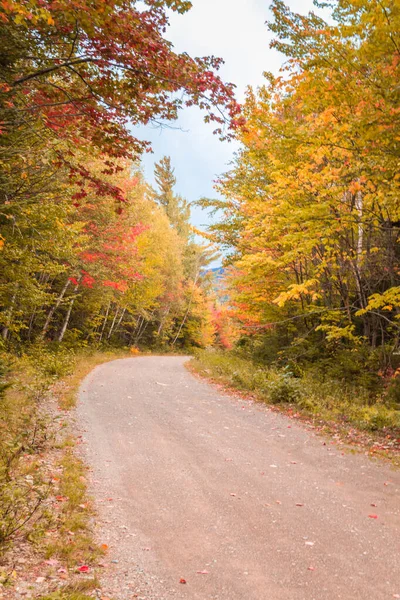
(45, 512)
(332, 405)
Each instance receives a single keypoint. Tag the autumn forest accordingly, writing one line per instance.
(305, 310)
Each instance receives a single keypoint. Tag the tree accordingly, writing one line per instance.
(176, 208)
(311, 203)
(86, 70)
(75, 78)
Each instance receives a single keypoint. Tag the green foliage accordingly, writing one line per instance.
(4, 384)
(392, 397)
(272, 385)
(51, 361)
(320, 396)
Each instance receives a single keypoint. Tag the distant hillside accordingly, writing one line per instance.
(218, 276)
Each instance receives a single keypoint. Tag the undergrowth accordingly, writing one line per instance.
(48, 509)
(326, 399)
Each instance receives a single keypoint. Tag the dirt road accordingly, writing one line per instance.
(238, 501)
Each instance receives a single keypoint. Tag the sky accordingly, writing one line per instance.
(234, 30)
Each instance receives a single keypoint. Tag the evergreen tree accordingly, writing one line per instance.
(176, 207)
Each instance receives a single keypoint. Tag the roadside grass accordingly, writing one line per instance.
(73, 543)
(333, 403)
(44, 501)
(74, 591)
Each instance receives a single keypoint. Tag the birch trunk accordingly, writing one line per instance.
(68, 315)
(120, 320)
(113, 323)
(53, 310)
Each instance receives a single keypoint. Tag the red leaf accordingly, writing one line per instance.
(373, 516)
(182, 580)
(83, 569)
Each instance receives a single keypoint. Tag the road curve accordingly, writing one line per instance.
(236, 500)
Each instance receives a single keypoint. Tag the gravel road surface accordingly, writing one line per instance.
(240, 502)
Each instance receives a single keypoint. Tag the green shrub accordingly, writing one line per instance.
(315, 392)
(392, 396)
(282, 387)
(52, 361)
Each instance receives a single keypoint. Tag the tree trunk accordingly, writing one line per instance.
(113, 323)
(139, 331)
(31, 322)
(68, 315)
(360, 236)
(120, 319)
(53, 310)
(10, 311)
(162, 321)
(188, 309)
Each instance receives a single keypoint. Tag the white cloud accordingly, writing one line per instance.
(234, 30)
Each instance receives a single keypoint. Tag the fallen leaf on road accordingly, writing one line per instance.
(83, 569)
(182, 580)
(104, 547)
(373, 516)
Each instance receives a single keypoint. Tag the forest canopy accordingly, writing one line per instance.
(311, 204)
(88, 251)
